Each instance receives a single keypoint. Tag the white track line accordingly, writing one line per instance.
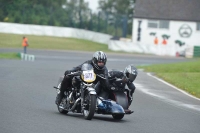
(147, 91)
(173, 86)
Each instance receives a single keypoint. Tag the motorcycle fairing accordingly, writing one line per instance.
(110, 107)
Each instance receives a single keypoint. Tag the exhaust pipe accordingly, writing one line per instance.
(73, 107)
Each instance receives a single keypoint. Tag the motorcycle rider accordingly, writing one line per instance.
(128, 76)
(98, 62)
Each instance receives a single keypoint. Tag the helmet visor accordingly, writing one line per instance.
(100, 63)
(132, 77)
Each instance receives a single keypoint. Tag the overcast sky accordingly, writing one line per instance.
(93, 4)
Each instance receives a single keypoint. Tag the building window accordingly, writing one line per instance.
(198, 26)
(153, 24)
(162, 24)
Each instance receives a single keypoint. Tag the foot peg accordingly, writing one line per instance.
(128, 111)
(55, 87)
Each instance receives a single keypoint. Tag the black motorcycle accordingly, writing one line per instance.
(81, 97)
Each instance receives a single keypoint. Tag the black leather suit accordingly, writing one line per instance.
(131, 87)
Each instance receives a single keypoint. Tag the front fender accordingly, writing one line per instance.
(91, 91)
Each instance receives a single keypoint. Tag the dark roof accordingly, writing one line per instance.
(186, 10)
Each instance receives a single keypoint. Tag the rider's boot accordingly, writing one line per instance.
(129, 103)
(58, 99)
(130, 99)
(61, 93)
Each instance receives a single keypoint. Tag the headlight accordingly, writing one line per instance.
(88, 76)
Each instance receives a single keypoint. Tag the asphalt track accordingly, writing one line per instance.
(27, 98)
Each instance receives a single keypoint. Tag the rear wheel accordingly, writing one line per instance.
(118, 116)
(89, 106)
(62, 105)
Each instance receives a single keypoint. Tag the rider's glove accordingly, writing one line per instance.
(112, 88)
(67, 72)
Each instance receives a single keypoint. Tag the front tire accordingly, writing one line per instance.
(89, 109)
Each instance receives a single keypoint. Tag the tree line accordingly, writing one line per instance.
(113, 16)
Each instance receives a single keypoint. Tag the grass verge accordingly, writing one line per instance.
(185, 75)
(46, 42)
(54, 43)
(9, 56)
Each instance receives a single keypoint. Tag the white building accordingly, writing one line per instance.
(175, 24)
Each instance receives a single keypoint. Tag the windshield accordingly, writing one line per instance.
(86, 67)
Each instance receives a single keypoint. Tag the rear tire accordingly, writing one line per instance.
(118, 116)
(62, 111)
(89, 110)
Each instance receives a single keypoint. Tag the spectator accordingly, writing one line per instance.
(25, 43)
(164, 42)
(156, 41)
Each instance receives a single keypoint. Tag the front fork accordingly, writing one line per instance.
(86, 90)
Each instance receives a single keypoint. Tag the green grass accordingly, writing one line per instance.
(185, 75)
(9, 56)
(46, 42)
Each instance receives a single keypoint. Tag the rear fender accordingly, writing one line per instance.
(120, 98)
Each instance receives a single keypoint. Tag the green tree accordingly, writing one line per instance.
(118, 10)
(31, 12)
(79, 13)
(68, 13)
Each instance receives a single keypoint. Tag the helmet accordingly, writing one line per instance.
(130, 72)
(99, 56)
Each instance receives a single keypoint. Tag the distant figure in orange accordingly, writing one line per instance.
(164, 42)
(156, 41)
(25, 43)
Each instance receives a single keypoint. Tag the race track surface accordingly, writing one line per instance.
(27, 98)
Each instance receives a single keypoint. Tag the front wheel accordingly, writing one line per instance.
(90, 106)
(118, 116)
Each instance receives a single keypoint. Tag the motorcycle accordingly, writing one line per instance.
(81, 97)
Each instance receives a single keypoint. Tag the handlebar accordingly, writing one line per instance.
(98, 75)
(113, 79)
(74, 73)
